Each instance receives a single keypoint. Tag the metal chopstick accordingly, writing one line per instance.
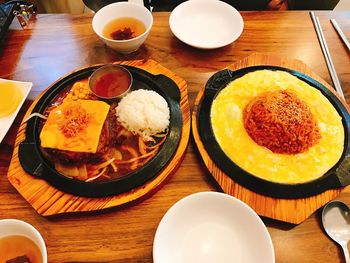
(340, 33)
(326, 54)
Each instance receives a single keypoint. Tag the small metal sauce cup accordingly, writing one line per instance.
(98, 73)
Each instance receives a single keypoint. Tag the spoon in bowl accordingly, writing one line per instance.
(336, 222)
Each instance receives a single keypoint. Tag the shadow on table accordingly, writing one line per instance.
(169, 5)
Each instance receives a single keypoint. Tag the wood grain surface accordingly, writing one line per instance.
(275, 208)
(59, 44)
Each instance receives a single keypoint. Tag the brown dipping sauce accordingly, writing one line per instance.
(124, 28)
(111, 84)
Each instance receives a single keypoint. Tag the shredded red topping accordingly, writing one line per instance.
(76, 119)
(281, 122)
(123, 34)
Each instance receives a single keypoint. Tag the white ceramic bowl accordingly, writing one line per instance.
(206, 24)
(118, 10)
(14, 227)
(212, 227)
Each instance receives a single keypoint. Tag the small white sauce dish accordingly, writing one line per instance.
(212, 227)
(119, 10)
(206, 24)
(14, 227)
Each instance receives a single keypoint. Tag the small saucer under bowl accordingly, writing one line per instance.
(206, 24)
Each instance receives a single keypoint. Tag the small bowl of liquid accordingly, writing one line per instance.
(110, 82)
(123, 26)
(20, 242)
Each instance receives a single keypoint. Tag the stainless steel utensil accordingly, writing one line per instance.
(336, 223)
(326, 54)
(340, 33)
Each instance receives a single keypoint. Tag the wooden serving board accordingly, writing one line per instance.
(48, 201)
(288, 210)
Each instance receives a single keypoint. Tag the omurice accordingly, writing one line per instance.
(277, 127)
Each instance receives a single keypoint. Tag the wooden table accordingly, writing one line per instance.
(58, 44)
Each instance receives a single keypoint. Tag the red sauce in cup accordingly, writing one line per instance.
(111, 83)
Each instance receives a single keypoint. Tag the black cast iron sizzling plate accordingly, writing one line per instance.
(336, 177)
(33, 162)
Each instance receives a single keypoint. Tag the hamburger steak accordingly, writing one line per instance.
(107, 138)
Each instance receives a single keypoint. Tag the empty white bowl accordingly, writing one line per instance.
(212, 227)
(119, 10)
(14, 227)
(206, 24)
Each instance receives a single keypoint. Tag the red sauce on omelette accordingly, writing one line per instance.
(281, 122)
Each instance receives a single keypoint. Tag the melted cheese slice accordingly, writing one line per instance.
(227, 122)
(87, 138)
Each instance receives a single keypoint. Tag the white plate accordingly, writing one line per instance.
(6, 122)
(206, 24)
(212, 227)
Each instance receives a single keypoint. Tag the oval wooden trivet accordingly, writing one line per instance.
(48, 201)
(288, 210)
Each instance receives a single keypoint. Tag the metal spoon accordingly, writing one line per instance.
(336, 222)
